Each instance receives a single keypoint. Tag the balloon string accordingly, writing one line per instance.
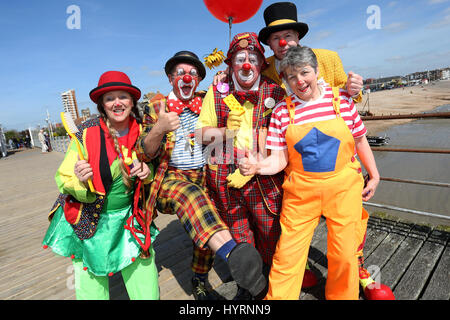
(230, 22)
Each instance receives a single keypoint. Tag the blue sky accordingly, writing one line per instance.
(40, 57)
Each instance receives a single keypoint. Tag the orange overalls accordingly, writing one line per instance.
(323, 177)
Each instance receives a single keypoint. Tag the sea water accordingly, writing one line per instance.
(427, 133)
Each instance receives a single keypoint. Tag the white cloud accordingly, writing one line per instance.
(156, 73)
(441, 23)
(395, 27)
(318, 36)
(395, 59)
(311, 14)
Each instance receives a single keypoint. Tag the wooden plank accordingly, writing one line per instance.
(381, 255)
(375, 235)
(394, 269)
(438, 286)
(413, 281)
(411, 259)
(39, 284)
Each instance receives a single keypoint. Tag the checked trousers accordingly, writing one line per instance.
(183, 193)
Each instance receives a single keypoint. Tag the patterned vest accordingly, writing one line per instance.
(84, 217)
(161, 163)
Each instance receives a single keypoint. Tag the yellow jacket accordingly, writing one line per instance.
(330, 68)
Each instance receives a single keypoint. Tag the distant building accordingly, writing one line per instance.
(383, 83)
(445, 74)
(85, 113)
(70, 103)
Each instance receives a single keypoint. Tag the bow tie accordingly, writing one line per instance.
(250, 96)
(177, 106)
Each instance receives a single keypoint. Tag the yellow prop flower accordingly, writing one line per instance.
(214, 59)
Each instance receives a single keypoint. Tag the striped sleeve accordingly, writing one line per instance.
(352, 117)
(277, 128)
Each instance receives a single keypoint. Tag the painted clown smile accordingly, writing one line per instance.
(186, 89)
(246, 75)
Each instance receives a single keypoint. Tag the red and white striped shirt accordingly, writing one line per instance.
(312, 111)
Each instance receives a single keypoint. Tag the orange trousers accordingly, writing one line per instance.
(305, 200)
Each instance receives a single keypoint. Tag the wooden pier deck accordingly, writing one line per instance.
(412, 259)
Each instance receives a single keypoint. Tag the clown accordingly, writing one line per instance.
(313, 136)
(178, 186)
(103, 229)
(283, 31)
(235, 117)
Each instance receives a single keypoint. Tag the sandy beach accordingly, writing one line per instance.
(407, 100)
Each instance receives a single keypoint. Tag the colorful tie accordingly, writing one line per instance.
(251, 96)
(177, 106)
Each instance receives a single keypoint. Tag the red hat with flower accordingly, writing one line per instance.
(245, 41)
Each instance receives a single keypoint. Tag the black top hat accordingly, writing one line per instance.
(281, 16)
(185, 57)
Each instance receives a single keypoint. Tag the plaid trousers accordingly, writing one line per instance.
(245, 212)
(183, 193)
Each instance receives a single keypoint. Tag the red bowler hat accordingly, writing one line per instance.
(114, 80)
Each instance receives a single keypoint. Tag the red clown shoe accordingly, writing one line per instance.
(372, 289)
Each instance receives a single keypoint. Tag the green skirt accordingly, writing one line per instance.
(112, 247)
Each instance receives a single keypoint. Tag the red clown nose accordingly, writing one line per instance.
(187, 78)
(282, 43)
(246, 66)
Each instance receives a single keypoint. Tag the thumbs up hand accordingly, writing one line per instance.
(245, 172)
(249, 164)
(167, 121)
(354, 83)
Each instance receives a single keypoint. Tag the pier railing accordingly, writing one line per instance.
(435, 115)
(60, 143)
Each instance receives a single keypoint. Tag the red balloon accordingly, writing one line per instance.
(239, 10)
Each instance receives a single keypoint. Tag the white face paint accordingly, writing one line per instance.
(252, 57)
(185, 81)
(240, 58)
(183, 89)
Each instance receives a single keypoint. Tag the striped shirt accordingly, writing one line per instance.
(312, 111)
(181, 155)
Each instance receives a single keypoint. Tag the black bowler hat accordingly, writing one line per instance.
(185, 57)
(281, 16)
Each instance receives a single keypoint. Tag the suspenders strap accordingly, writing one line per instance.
(336, 101)
(336, 104)
(291, 109)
